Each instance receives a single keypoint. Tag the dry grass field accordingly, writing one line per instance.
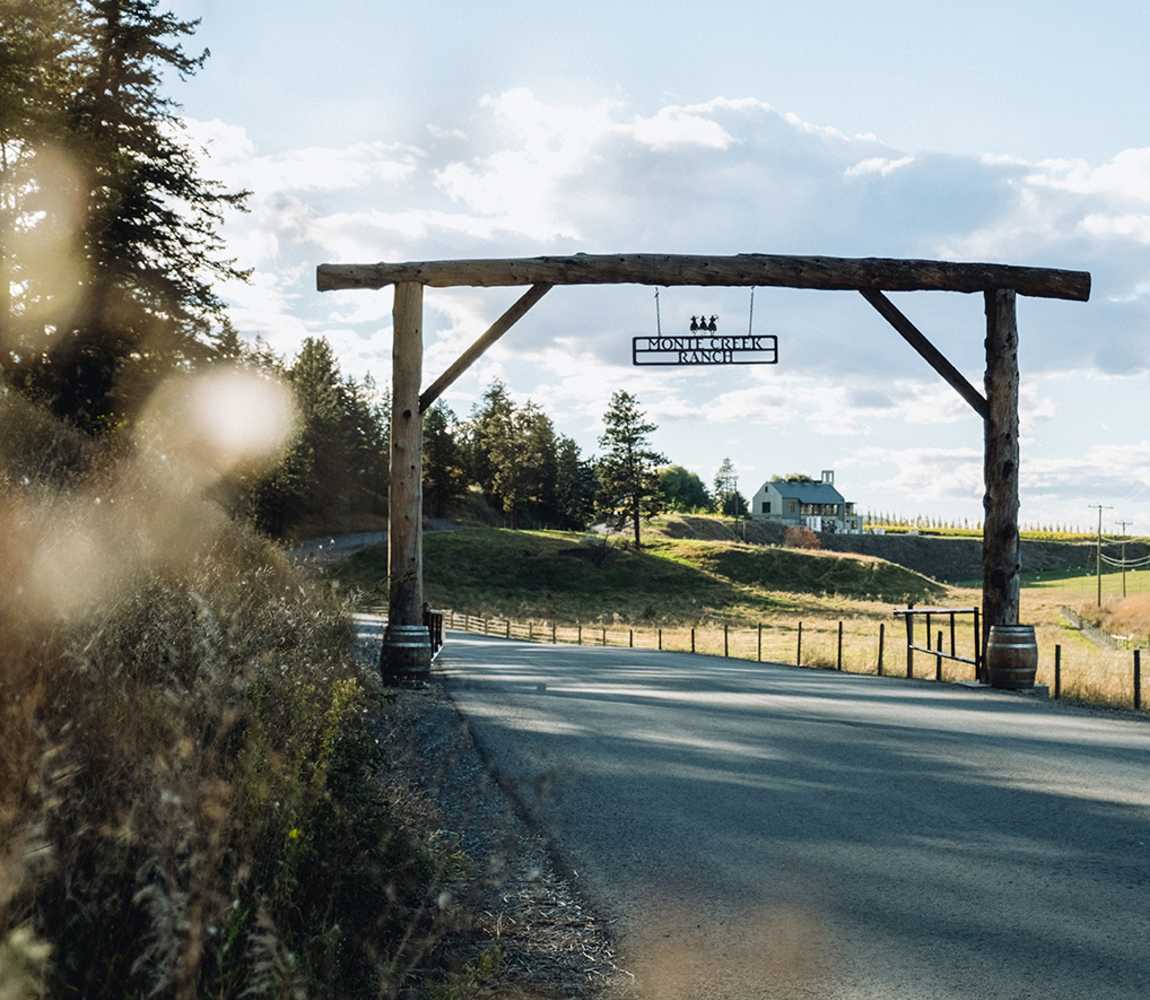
(761, 616)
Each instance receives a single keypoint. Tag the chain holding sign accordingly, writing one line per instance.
(705, 349)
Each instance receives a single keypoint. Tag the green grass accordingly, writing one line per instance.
(1137, 582)
(555, 575)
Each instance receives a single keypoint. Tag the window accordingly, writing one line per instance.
(766, 506)
(792, 506)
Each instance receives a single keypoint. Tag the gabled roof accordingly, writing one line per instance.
(807, 492)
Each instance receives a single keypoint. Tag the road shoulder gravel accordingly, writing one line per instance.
(530, 933)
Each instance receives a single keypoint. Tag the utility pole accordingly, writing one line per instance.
(1098, 553)
(1125, 525)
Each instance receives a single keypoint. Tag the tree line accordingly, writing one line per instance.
(111, 255)
(935, 523)
(507, 456)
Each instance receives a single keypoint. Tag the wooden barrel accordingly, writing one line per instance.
(1012, 656)
(406, 651)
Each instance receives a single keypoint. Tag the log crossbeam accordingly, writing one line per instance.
(931, 354)
(749, 269)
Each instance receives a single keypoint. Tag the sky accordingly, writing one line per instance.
(1009, 132)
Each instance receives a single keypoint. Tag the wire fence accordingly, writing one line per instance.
(1074, 670)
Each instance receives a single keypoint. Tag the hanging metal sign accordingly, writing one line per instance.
(705, 349)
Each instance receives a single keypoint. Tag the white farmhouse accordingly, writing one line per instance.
(808, 503)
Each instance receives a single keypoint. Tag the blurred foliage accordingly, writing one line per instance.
(110, 245)
(193, 796)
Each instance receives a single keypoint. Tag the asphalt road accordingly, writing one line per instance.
(757, 831)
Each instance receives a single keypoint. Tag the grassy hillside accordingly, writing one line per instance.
(559, 575)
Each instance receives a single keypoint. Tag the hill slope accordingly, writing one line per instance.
(559, 575)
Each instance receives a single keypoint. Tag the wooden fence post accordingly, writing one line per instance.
(910, 644)
(799, 651)
(1057, 672)
(553, 634)
(604, 642)
(952, 633)
(507, 635)
(692, 638)
(630, 638)
(881, 640)
(839, 660)
(1137, 680)
(979, 672)
(726, 640)
(579, 635)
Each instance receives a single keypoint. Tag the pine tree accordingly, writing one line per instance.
(145, 220)
(519, 438)
(628, 467)
(363, 439)
(727, 498)
(536, 432)
(443, 476)
(37, 38)
(576, 485)
(490, 424)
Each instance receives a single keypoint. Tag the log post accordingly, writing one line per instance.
(1000, 553)
(406, 645)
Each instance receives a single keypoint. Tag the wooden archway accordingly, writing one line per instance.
(872, 277)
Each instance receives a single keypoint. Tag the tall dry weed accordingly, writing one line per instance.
(189, 802)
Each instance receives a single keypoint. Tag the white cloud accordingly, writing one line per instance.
(677, 126)
(231, 157)
(1125, 177)
(878, 165)
(922, 475)
(1134, 227)
(438, 132)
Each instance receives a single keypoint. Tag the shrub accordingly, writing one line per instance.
(801, 538)
(191, 796)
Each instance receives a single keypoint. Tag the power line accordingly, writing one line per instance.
(1124, 526)
(1098, 554)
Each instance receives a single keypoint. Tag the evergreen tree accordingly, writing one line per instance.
(575, 485)
(728, 500)
(319, 392)
(519, 438)
(490, 425)
(37, 38)
(536, 433)
(734, 505)
(628, 467)
(364, 441)
(443, 476)
(145, 220)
